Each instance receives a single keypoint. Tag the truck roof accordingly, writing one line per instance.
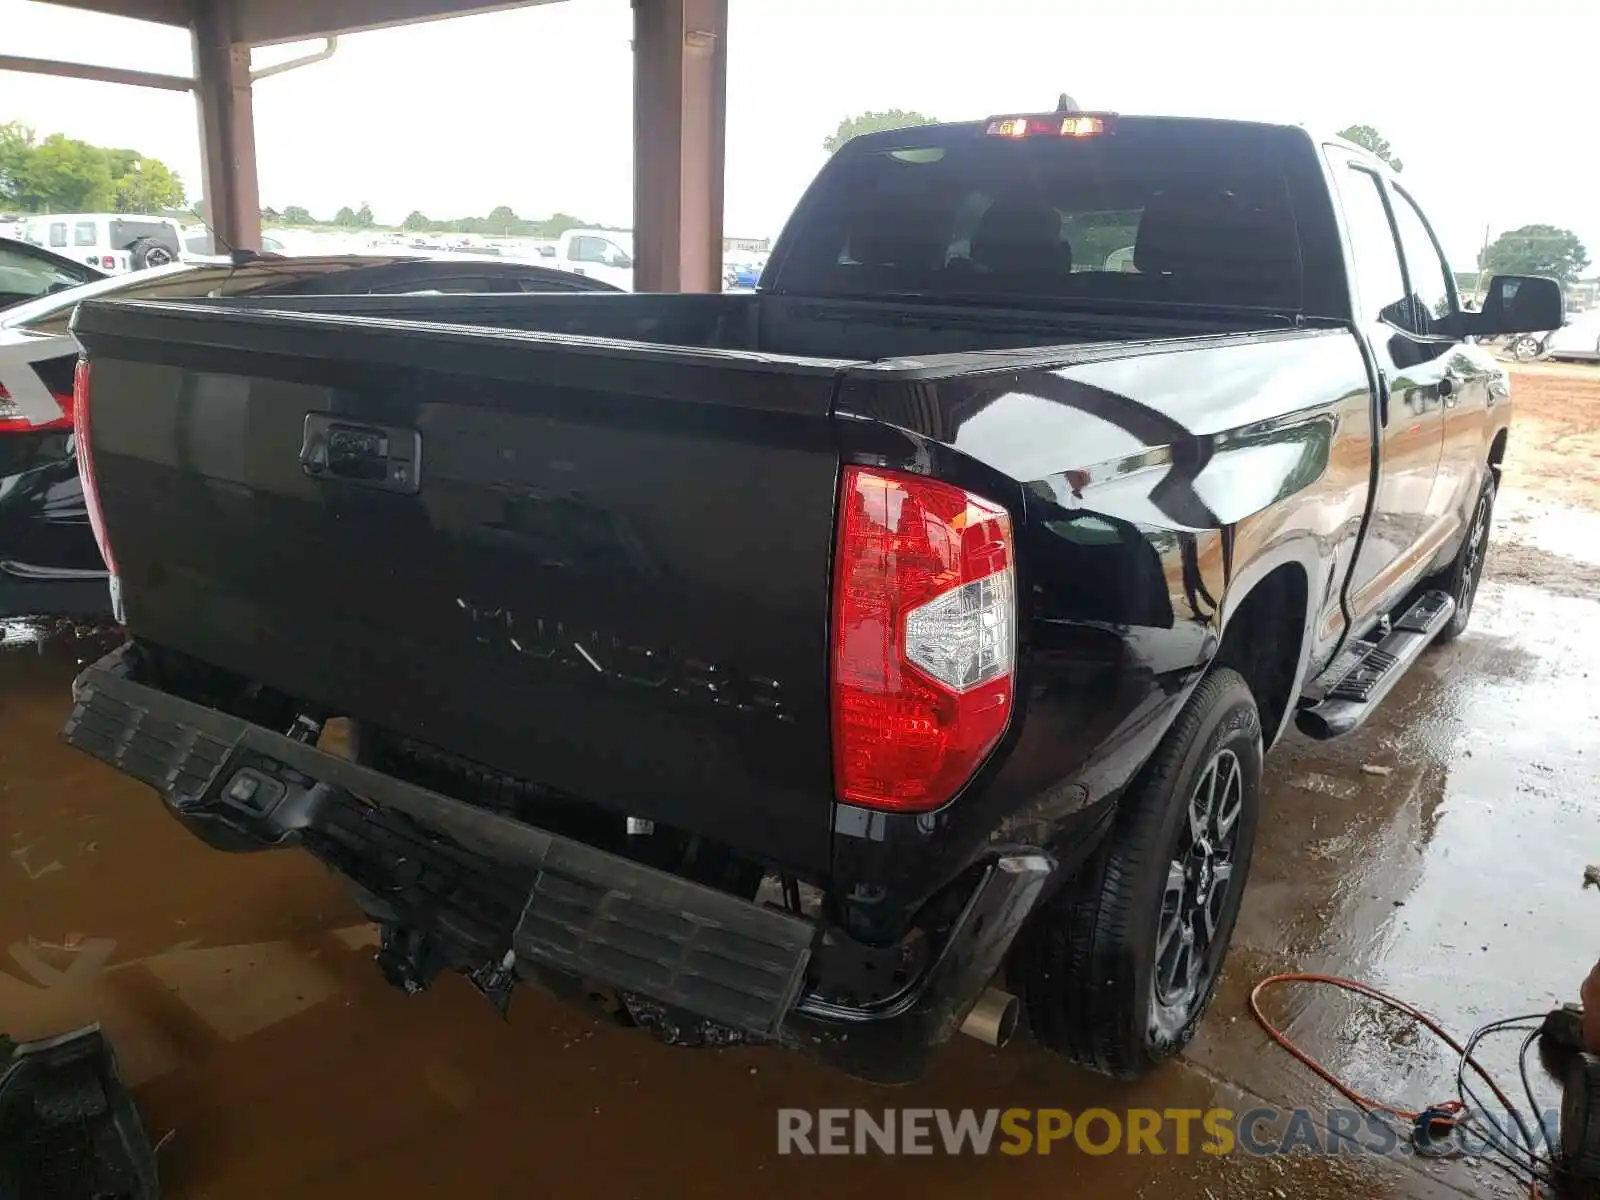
(891, 137)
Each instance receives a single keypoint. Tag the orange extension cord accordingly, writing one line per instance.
(1367, 1103)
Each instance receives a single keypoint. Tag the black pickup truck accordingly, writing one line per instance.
(838, 665)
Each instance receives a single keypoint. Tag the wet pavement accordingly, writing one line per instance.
(1439, 853)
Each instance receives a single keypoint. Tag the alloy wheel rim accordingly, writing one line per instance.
(1198, 885)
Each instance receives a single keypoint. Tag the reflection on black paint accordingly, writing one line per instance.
(1093, 567)
(569, 534)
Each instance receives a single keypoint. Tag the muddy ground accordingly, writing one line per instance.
(1438, 852)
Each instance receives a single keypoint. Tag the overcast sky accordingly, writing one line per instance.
(1494, 108)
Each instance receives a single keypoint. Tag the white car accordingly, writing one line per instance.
(1578, 338)
(28, 272)
(603, 254)
(198, 244)
(111, 242)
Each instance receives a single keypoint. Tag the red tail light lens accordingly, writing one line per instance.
(924, 638)
(13, 420)
(86, 475)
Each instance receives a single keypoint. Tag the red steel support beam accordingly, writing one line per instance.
(75, 70)
(227, 127)
(680, 52)
(165, 12)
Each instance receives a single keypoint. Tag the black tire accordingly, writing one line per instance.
(1462, 576)
(1088, 966)
(147, 252)
(1525, 347)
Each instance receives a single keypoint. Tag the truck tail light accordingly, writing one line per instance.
(1075, 125)
(924, 638)
(13, 420)
(86, 475)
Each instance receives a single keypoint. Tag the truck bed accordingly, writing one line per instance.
(838, 330)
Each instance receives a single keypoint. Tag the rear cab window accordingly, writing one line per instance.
(1151, 210)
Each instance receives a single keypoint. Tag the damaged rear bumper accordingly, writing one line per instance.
(496, 897)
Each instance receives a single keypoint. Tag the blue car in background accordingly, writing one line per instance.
(742, 276)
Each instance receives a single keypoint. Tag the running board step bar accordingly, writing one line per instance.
(1350, 701)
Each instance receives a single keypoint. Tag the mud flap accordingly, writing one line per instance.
(68, 1128)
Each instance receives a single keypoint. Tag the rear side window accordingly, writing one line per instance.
(85, 234)
(58, 233)
(1164, 211)
(1379, 284)
(1430, 298)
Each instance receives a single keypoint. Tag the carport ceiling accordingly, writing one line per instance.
(263, 22)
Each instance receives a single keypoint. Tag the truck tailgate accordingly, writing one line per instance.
(599, 567)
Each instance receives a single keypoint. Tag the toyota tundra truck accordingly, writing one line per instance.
(843, 665)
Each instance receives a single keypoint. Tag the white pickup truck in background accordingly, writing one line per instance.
(603, 254)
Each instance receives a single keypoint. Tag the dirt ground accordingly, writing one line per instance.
(1557, 432)
(1438, 852)
(1550, 493)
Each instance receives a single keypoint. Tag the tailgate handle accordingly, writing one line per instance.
(386, 457)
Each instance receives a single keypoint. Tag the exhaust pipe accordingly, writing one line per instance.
(993, 1018)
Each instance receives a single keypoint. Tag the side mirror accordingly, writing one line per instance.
(1519, 304)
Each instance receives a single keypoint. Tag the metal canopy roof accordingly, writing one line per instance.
(680, 88)
(263, 22)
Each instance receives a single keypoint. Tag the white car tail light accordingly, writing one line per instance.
(13, 418)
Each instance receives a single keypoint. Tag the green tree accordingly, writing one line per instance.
(149, 186)
(1537, 250)
(345, 218)
(293, 214)
(364, 217)
(16, 148)
(502, 219)
(65, 175)
(416, 222)
(556, 224)
(120, 162)
(873, 122)
(1369, 138)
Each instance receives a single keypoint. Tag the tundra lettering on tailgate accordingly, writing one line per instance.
(566, 647)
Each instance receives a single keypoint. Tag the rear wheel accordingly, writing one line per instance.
(1117, 969)
(1525, 348)
(1461, 577)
